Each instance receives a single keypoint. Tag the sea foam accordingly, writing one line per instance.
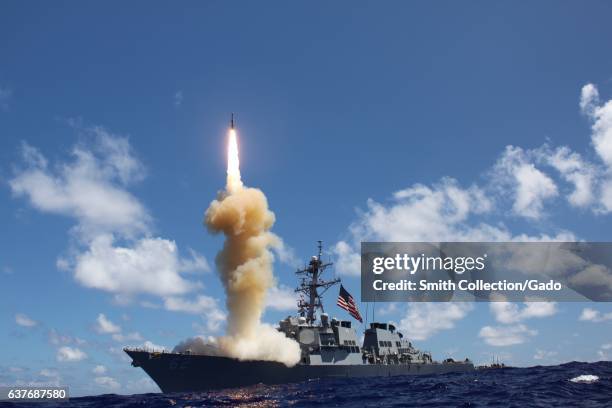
(585, 378)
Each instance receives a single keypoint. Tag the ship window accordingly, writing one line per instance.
(327, 339)
(357, 348)
(381, 343)
(397, 343)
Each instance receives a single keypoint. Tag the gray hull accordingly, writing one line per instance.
(181, 372)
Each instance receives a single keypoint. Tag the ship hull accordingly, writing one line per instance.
(184, 373)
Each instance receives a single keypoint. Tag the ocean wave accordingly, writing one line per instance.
(585, 378)
(540, 386)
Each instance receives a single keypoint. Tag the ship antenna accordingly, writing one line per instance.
(311, 283)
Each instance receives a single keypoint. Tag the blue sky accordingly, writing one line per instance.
(113, 120)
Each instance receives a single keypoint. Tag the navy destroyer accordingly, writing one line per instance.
(329, 349)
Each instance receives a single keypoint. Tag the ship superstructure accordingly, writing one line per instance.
(329, 348)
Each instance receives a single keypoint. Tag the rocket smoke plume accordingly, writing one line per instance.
(245, 267)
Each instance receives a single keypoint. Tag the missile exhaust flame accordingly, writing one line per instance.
(234, 181)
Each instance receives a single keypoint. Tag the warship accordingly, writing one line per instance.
(329, 349)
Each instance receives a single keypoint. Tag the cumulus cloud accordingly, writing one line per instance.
(595, 316)
(442, 212)
(284, 253)
(105, 326)
(544, 355)
(524, 180)
(56, 338)
(25, 321)
(501, 336)
(582, 174)
(108, 383)
(419, 214)
(150, 265)
(70, 354)
(605, 352)
(49, 373)
(281, 297)
(601, 116)
(99, 370)
(531, 187)
(90, 189)
(506, 312)
(348, 260)
(113, 248)
(203, 305)
(423, 320)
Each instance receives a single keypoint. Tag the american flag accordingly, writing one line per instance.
(345, 301)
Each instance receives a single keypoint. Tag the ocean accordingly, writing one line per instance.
(566, 385)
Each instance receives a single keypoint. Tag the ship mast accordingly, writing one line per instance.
(309, 285)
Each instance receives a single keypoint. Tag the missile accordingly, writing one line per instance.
(232, 121)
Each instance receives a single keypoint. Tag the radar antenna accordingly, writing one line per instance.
(309, 285)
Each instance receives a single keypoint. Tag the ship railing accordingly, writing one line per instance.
(146, 349)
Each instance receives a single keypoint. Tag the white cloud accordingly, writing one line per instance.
(544, 355)
(348, 261)
(49, 373)
(90, 188)
(601, 115)
(506, 312)
(420, 214)
(389, 308)
(595, 316)
(114, 249)
(99, 370)
(206, 306)
(589, 98)
(151, 266)
(281, 298)
(122, 338)
(57, 338)
(531, 186)
(501, 336)
(423, 320)
(105, 326)
(108, 382)
(70, 354)
(442, 212)
(23, 320)
(196, 262)
(575, 170)
(285, 253)
(605, 352)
